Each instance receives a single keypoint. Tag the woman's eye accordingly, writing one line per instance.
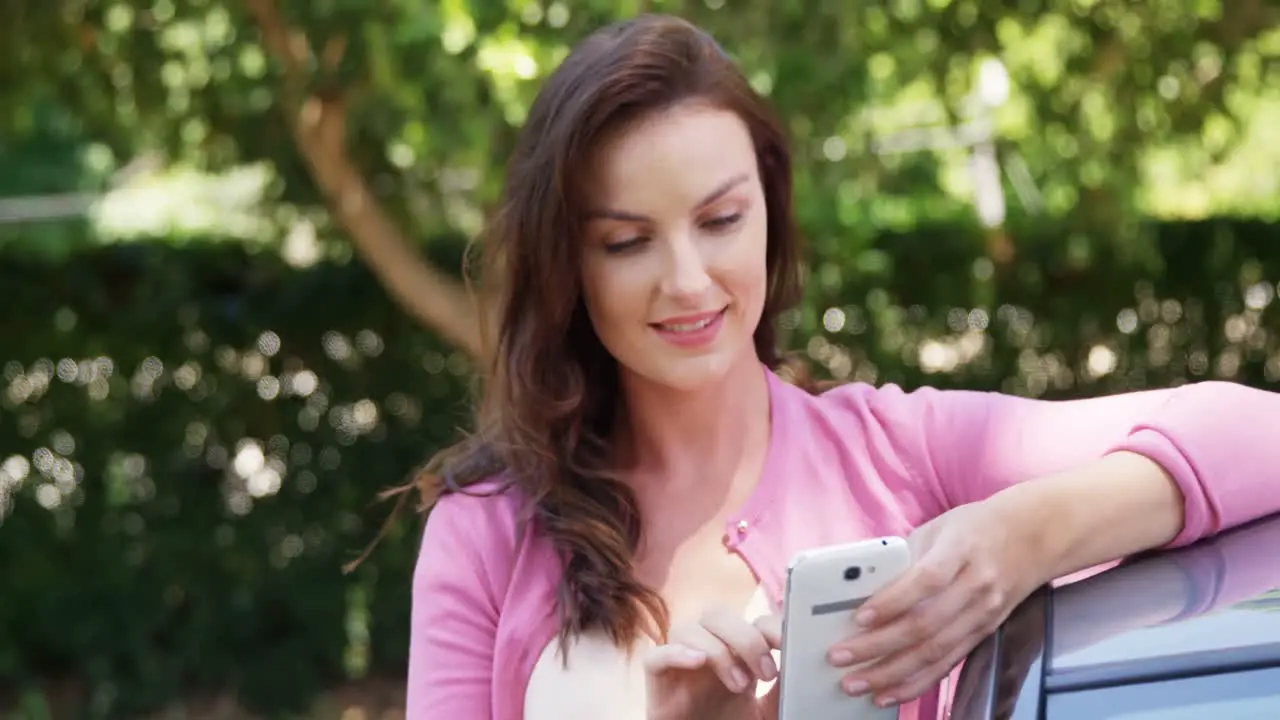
(622, 246)
(723, 222)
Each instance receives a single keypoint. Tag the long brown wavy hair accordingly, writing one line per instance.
(551, 396)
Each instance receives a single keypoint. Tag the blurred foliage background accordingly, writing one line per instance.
(230, 234)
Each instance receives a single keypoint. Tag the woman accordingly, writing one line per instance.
(612, 541)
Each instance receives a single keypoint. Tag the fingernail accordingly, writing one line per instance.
(694, 654)
(740, 680)
(841, 657)
(855, 687)
(768, 668)
(865, 617)
(885, 702)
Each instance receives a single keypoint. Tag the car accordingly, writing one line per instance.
(1192, 633)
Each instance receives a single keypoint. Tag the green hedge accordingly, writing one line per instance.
(139, 379)
(135, 377)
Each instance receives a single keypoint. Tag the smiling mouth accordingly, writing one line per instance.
(688, 327)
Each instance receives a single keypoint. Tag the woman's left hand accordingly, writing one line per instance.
(972, 566)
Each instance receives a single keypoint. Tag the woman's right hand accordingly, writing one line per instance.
(709, 670)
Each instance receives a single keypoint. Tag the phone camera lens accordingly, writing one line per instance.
(852, 573)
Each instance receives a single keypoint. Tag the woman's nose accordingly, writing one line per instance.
(686, 274)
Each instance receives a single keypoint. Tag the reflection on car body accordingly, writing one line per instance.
(1189, 633)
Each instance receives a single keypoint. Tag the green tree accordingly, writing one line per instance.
(388, 122)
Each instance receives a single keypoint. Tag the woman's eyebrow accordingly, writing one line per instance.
(621, 215)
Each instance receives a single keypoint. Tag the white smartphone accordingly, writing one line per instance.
(825, 587)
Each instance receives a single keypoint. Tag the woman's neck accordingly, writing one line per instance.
(677, 436)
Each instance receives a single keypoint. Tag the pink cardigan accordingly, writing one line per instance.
(853, 463)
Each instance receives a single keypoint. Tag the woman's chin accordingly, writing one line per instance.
(691, 374)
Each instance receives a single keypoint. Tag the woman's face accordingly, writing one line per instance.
(674, 270)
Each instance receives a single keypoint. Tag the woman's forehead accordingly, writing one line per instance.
(680, 155)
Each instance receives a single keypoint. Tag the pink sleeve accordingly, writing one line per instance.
(1218, 440)
(454, 618)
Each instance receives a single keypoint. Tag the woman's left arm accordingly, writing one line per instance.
(1218, 442)
(1033, 490)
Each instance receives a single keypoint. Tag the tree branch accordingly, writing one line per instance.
(319, 126)
(1243, 19)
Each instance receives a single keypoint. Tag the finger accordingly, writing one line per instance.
(927, 635)
(746, 641)
(920, 624)
(928, 578)
(770, 626)
(723, 660)
(891, 674)
(922, 682)
(673, 657)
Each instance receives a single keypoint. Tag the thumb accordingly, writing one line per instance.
(770, 626)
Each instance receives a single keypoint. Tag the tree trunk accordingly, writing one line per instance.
(427, 293)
